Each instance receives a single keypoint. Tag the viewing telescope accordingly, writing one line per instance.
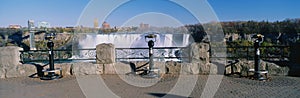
(258, 37)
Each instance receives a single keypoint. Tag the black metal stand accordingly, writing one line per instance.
(233, 73)
(257, 71)
(151, 73)
(51, 71)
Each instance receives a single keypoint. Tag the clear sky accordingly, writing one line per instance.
(67, 12)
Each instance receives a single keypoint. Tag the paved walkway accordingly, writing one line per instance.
(69, 87)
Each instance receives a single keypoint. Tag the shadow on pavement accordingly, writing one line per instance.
(39, 69)
(166, 95)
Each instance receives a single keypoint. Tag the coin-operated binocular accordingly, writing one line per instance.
(52, 73)
(258, 39)
(151, 39)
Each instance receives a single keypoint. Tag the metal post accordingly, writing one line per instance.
(151, 63)
(151, 73)
(50, 44)
(51, 71)
(31, 29)
(231, 66)
(257, 41)
(256, 59)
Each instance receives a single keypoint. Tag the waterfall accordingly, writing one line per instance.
(131, 40)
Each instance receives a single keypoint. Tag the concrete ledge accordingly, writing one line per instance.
(109, 68)
(20, 70)
(86, 69)
(123, 68)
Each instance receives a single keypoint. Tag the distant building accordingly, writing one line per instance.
(96, 23)
(30, 24)
(105, 25)
(44, 24)
(31, 35)
(231, 37)
(144, 26)
(15, 26)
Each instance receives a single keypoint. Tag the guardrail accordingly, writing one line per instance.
(61, 55)
(270, 53)
(160, 54)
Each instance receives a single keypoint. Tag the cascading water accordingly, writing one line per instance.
(131, 40)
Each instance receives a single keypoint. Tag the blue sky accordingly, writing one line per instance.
(67, 12)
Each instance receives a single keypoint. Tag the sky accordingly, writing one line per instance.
(62, 13)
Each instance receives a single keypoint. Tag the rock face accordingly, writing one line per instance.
(105, 53)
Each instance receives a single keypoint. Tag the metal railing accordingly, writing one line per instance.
(61, 55)
(270, 53)
(160, 54)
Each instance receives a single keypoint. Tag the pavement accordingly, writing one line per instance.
(131, 86)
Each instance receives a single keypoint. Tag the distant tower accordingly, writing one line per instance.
(30, 24)
(96, 23)
(144, 26)
(31, 29)
(105, 25)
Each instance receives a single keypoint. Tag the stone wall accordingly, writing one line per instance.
(10, 65)
(243, 67)
(105, 53)
(200, 59)
(105, 63)
(199, 62)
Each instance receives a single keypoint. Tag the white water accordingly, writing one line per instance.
(130, 40)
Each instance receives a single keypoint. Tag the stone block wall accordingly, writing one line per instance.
(200, 62)
(105, 53)
(243, 67)
(10, 65)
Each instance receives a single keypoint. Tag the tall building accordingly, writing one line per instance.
(105, 25)
(31, 34)
(44, 24)
(30, 24)
(144, 26)
(96, 23)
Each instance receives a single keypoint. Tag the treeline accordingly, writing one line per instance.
(291, 26)
(288, 28)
